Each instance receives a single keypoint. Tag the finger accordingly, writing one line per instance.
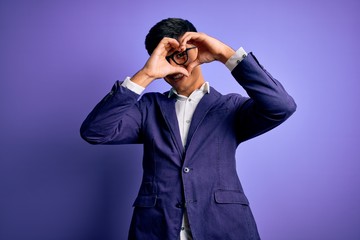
(170, 43)
(184, 40)
(188, 37)
(166, 45)
(181, 70)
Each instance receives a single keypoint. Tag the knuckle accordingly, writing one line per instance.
(167, 39)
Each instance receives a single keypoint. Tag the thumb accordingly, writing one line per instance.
(182, 71)
(192, 65)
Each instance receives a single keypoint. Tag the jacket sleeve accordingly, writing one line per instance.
(269, 104)
(116, 119)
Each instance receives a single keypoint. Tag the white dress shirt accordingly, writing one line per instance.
(185, 108)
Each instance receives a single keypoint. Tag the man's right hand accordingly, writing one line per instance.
(157, 66)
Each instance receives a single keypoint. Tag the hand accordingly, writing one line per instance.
(209, 49)
(157, 66)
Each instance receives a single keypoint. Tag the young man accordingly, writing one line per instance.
(190, 188)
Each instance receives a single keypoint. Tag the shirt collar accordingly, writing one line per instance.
(205, 88)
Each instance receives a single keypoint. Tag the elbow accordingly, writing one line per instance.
(288, 108)
(87, 135)
(291, 106)
(282, 110)
(87, 138)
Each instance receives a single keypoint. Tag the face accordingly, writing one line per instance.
(182, 84)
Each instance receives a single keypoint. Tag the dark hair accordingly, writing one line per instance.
(170, 27)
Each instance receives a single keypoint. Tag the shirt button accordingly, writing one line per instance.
(186, 170)
(189, 99)
(187, 121)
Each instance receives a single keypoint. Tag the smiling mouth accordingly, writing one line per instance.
(176, 77)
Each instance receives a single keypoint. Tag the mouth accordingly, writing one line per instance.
(176, 77)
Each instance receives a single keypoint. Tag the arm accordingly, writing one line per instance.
(269, 103)
(117, 117)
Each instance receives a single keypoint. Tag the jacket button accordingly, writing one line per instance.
(179, 205)
(186, 170)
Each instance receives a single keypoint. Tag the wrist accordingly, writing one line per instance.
(226, 54)
(142, 78)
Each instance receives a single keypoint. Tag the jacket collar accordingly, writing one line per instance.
(205, 88)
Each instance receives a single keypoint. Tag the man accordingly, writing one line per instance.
(190, 188)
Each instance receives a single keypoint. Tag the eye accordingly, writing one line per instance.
(180, 55)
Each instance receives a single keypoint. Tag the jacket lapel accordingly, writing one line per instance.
(201, 110)
(167, 107)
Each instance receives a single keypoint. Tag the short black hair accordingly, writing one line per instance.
(170, 27)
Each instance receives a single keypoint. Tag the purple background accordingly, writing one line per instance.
(59, 58)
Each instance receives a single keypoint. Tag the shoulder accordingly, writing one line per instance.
(151, 99)
(153, 96)
(229, 99)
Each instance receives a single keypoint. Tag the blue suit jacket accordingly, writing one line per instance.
(202, 176)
